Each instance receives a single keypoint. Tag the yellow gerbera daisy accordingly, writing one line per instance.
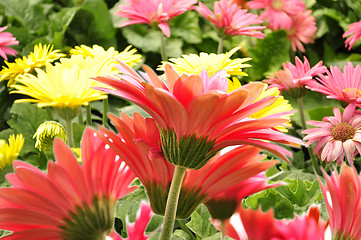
(46, 133)
(36, 59)
(212, 63)
(58, 86)
(127, 56)
(279, 106)
(9, 152)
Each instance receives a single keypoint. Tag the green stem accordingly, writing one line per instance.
(88, 115)
(315, 163)
(223, 229)
(69, 132)
(49, 114)
(172, 203)
(220, 45)
(162, 47)
(105, 111)
(186, 229)
(80, 116)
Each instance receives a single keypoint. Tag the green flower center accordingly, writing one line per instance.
(90, 222)
(343, 131)
(189, 152)
(277, 5)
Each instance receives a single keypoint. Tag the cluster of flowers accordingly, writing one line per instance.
(202, 143)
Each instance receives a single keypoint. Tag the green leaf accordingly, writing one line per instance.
(180, 235)
(147, 42)
(268, 55)
(26, 118)
(318, 114)
(200, 223)
(187, 27)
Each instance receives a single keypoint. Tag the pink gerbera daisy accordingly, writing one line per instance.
(342, 194)
(153, 12)
(345, 86)
(353, 33)
(231, 19)
(278, 12)
(337, 135)
(70, 201)
(230, 176)
(7, 39)
(197, 116)
(293, 78)
(302, 31)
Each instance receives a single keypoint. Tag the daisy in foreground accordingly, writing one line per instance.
(342, 194)
(212, 63)
(343, 86)
(151, 12)
(41, 55)
(6, 40)
(337, 136)
(70, 201)
(352, 34)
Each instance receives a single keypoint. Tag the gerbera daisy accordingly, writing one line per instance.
(278, 12)
(337, 135)
(352, 34)
(36, 59)
(237, 172)
(70, 201)
(128, 55)
(196, 112)
(46, 133)
(232, 20)
(279, 106)
(9, 152)
(303, 30)
(153, 12)
(342, 194)
(6, 40)
(293, 78)
(344, 86)
(212, 63)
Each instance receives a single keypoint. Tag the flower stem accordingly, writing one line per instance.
(172, 202)
(220, 45)
(80, 116)
(105, 111)
(88, 115)
(69, 132)
(162, 47)
(223, 229)
(49, 114)
(315, 164)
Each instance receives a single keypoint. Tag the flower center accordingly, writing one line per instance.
(356, 91)
(343, 132)
(277, 4)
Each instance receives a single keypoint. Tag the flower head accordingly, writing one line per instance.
(6, 40)
(302, 31)
(278, 12)
(70, 201)
(343, 86)
(232, 20)
(46, 133)
(352, 34)
(63, 86)
(41, 55)
(293, 78)
(337, 136)
(237, 172)
(9, 152)
(212, 63)
(196, 114)
(342, 196)
(128, 55)
(153, 12)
